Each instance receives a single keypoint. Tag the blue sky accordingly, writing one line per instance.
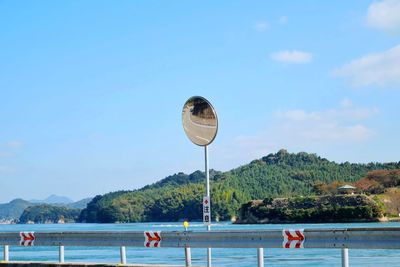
(91, 92)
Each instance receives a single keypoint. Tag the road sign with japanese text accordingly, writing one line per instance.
(206, 211)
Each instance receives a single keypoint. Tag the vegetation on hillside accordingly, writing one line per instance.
(381, 184)
(390, 202)
(374, 182)
(45, 213)
(315, 209)
(179, 196)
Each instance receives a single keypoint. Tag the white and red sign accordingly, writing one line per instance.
(152, 239)
(293, 238)
(206, 211)
(27, 239)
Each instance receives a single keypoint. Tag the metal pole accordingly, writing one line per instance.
(260, 256)
(345, 257)
(61, 254)
(122, 251)
(188, 257)
(6, 253)
(208, 195)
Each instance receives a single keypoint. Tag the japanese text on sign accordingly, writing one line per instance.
(206, 211)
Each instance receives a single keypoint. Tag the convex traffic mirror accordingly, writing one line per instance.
(199, 121)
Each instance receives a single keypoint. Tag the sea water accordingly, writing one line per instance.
(221, 256)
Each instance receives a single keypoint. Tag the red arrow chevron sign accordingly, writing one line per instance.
(27, 239)
(293, 238)
(152, 239)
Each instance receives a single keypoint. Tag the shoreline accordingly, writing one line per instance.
(378, 220)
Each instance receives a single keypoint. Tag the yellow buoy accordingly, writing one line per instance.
(186, 225)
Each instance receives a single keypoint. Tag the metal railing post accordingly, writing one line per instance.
(61, 254)
(6, 253)
(260, 257)
(345, 257)
(122, 252)
(188, 257)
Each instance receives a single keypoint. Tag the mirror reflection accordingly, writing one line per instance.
(199, 121)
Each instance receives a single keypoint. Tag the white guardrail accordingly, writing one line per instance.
(343, 238)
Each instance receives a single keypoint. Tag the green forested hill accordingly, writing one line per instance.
(312, 209)
(45, 213)
(179, 196)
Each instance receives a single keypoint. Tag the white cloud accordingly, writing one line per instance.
(300, 130)
(283, 20)
(9, 148)
(336, 124)
(293, 56)
(5, 169)
(380, 69)
(255, 145)
(345, 113)
(346, 103)
(241, 149)
(298, 126)
(324, 131)
(13, 144)
(4, 154)
(261, 26)
(384, 15)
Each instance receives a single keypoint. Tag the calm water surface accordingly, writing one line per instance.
(221, 257)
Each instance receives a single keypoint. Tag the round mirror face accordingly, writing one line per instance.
(199, 121)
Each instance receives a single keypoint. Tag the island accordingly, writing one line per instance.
(311, 209)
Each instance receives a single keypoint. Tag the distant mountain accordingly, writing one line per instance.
(53, 199)
(81, 204)
(13, 209)
(53, 213)
(179, 196)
